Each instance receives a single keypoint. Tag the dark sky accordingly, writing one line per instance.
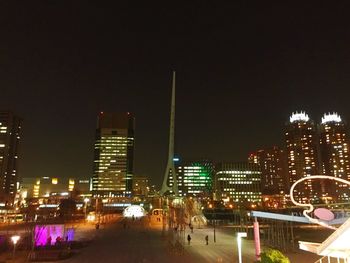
(242, 68)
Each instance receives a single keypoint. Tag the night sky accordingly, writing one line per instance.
(242, 68)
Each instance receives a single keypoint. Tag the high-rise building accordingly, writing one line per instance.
(301, 142)
(274, 170)
(238, 183)
(335, 159)
(195, 178)
(114, 155)
(140, 186)
(10, 135)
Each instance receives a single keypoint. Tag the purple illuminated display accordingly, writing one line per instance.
(49, 234)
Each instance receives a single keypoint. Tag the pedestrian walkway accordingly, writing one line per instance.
(223, 250)
(137, 241)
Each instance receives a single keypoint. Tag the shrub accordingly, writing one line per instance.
(273, 256)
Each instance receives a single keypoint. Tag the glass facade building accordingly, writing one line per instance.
(195, 178)
(10, 135)
(238, 183)
(113, 155)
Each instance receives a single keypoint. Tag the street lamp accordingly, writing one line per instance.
(214, 220)
(86, 200)
(14, 241)
(239, 244)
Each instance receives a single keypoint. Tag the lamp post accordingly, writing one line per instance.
(14, 241)
(86, 200)
(239, 244)
(214, 220)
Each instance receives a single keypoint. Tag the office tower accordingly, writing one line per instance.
(238, 183)
(334, 147)
(195, 178)
(113, 155)
(274, 170)
(301, 142)
(10, 135)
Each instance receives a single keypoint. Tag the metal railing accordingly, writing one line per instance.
(327, 259)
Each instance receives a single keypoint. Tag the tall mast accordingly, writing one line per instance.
(170, 168)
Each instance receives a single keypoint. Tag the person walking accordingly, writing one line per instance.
(206, 239)
(189, 239)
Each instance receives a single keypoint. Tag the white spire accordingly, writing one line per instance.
(170, 165)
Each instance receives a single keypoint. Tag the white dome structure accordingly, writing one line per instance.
(134, 211)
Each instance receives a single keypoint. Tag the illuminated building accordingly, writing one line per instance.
(274, 170)
(48, 186)
(334, 146)
(140, 186)
(301, 142)
(195, 178)
(238, 183)
(113, 155)
(10, 134)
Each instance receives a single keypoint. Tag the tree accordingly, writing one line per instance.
(273, 256)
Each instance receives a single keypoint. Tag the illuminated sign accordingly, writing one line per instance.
(302, 116)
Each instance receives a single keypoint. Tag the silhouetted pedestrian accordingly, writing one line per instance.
(206, 239)
(189, 239)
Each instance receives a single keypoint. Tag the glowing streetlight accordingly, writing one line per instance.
(214, 220)
(86, 200)
(14, 241)
(239, 244)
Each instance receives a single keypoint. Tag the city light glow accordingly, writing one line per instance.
(134, 211)
(330, 117)
(15, 239)
(302, 116)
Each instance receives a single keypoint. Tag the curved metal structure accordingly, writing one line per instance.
(310, 207)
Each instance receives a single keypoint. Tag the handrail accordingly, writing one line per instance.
(325, 259)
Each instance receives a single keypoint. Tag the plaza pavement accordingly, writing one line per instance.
(139, 242)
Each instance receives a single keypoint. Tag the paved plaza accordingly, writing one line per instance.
(136, 241)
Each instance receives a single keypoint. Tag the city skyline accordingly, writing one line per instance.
(241, 71)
